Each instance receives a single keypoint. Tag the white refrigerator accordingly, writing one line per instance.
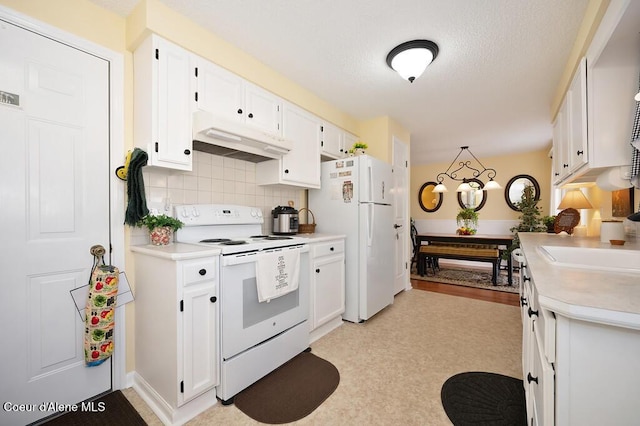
(355, 200)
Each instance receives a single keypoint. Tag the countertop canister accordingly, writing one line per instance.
(611, 230)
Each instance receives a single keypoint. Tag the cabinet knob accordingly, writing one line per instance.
(318, 271)
(565, 166)
(532, 312)
(202, 271)
(187, 152)
(250, 115)
(523, 301)
(331, 249)
(239, 110)
(530, 378)
(556, 174)
(579, 152)
(213, 299)
(526, 278)
(286, 170)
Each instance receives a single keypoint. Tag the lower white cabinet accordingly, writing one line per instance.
(577, 370)
(327, 286)
(176, 337)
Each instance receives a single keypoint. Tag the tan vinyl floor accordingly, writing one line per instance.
(392, 367)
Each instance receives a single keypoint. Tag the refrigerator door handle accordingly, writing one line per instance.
(370, 176)
(370, 226)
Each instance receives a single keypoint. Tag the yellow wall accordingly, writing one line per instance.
(378, 133)
(536, 164)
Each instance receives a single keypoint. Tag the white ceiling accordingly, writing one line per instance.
(490, 87)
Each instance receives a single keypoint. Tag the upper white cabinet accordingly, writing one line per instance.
(229, 96)
(578, 154)
(332, 145)
(570, 152)
(163, 103)
(335, 142)
(301, 166)
(600, 102)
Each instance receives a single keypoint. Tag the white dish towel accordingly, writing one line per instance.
(277, 273)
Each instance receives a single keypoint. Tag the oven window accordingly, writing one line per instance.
(254, 312)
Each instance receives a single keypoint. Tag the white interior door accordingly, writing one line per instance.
(401, 216)
(54, 193)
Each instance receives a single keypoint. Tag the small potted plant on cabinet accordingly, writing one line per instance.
(467, 220)
(161, 228)
(358, 148)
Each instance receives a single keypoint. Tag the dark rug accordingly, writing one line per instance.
(476, 278)
(489, 399)
(290, 392)
(112, 409)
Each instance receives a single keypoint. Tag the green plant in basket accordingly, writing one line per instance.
(157, 221)
(467, 220)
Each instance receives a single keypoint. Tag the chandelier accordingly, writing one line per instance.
(465, 173)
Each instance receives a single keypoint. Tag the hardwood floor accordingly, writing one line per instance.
(512, 299)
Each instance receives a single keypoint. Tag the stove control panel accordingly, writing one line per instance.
(217, 214)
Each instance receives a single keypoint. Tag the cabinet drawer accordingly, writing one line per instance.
(542, 382)
(545, 326)
(199, 270)
(328, 248)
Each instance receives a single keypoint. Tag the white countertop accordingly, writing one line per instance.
(590, 294)
(176, 251)
(318, 238)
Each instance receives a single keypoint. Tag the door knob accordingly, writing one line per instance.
(396, 226)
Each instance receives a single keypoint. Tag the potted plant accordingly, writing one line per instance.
(467, 220)
(549, 221)
(358, 148)
(161, 227)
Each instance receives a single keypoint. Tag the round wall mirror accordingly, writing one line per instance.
(474, 199)
(429, 201)
(515, 187)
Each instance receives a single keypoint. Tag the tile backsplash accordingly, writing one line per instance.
(214, 180)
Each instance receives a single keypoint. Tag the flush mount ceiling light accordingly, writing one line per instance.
(474, 174)
(411, 58)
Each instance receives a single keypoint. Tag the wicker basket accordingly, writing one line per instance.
(307, 228)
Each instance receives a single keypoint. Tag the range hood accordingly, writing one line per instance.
(219, 136)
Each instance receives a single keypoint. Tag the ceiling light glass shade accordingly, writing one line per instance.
(410, 59)
(492, 184)
(575, 199)
(440, 188)
(411, 63)
(464, 187)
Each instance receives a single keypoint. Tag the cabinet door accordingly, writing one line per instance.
(348, 142)
(328, 288)
(561, 142)
(302, 164)
(220, 92)
(199, 331)
(262, 109)
(332, 144)
(174, 105)
(578, 154)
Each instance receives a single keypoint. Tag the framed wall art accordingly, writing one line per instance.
(622, 202)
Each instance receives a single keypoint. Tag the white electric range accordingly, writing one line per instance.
(255, 338)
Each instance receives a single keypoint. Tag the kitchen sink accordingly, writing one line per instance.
(604, 259)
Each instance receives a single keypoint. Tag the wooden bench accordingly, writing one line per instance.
(473, 252)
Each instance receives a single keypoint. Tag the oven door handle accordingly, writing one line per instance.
(250, 257)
